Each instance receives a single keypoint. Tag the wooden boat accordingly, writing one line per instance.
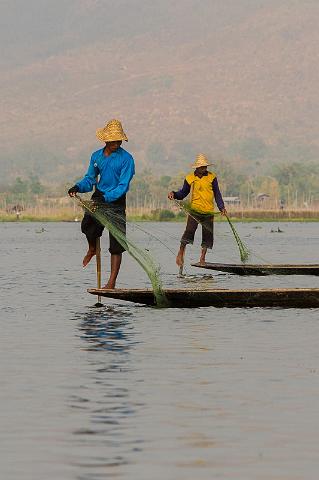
(180, 298)
(249, 269)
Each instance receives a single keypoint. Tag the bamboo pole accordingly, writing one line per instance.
(98, 268)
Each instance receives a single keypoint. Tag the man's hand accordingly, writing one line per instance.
(223, 211)
(171, 195)
(73, 191)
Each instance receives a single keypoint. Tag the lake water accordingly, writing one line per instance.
(137, 393)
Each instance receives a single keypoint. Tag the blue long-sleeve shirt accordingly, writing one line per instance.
(115, 173)
(186, 188)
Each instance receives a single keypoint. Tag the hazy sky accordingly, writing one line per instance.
(33, 29)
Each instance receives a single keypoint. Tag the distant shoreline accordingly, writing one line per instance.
(162, 216)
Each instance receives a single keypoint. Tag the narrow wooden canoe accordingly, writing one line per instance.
(279, 297)
(249, 269)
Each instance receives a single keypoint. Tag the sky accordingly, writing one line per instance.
(39, 28)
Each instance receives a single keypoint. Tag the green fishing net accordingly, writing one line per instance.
(114, 223)
(203, 217)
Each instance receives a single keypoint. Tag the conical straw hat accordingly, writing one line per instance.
(201, 161)
(112, 132)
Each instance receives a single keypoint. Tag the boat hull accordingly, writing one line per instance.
(246, 269)
(181, 298)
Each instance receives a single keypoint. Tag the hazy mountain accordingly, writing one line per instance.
(232, 78)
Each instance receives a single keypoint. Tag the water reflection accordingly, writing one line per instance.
(105, 432)
(107, 328)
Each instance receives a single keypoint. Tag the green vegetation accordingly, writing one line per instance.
(287, 192)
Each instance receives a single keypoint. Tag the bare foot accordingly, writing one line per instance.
(89, 255)
(202, 259)
(109, 286)
(180, 260)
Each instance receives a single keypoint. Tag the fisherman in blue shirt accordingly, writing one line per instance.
(110, 171)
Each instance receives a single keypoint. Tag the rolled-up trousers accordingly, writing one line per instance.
(93, 229)
(207, 222)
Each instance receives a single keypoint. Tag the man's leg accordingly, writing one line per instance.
(180, 255)
(116, 260)
(92, 230)
(116, 249)
(188, 237)
(89, 254)
(202, 259)
(207, 237)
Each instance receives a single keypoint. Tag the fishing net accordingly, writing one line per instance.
(147, 248)
(114, 223)
(243, 250)
(202, 217)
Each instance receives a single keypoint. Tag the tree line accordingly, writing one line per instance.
(291, 184)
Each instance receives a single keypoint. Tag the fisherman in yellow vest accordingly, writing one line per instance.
(203, 186)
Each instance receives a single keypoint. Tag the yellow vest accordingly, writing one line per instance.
(202, 196)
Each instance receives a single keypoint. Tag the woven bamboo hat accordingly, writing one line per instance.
(112, 132)
(201, 161)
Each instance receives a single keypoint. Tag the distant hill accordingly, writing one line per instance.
(237, 80)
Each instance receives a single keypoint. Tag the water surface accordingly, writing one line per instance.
(132, 393)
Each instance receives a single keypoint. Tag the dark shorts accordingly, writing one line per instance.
(207, 222)
(93, 229)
